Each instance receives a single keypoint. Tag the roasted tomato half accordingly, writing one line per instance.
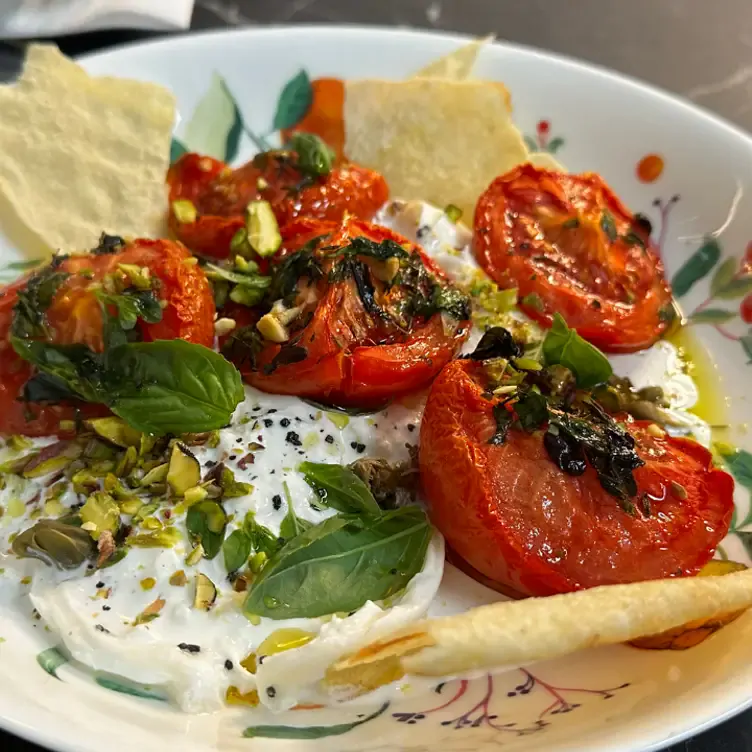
(355, 315)
(74, 316)
(513, 515)
(570, 246)
(220, 195)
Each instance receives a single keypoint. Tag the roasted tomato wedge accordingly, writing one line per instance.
(221, 194)
(570, 246)
(509, 511)
(74, 316)
(358, 313)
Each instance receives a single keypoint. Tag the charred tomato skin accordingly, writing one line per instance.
(569, 246)
(221, 194)
(528, 529)
(75, 317)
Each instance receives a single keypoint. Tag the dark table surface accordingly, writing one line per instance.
(699, 49)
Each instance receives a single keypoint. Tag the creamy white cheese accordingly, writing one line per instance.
(93, 614)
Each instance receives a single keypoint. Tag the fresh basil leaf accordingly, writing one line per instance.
(262, 539)
(340, 564)
(42, 387)
(563, 346)
(340, 488)
(206, 522)
(293, 525)
(173, 386)
(236, 549)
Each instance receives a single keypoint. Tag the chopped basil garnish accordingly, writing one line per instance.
(315, 157)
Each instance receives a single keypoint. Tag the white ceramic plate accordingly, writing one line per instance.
(685, 169)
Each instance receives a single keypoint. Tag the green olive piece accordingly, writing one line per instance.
(55, 543)
(184, 470)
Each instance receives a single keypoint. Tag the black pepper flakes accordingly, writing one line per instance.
(100, 584)
(106, 607)
(271, 692)
(209, 463)
(293, 438)
(228, 665)
(411, 427)
(277, 502)
(187, 647)
(358, 447)
(233, 457)
(100, 628)
(271, 410)
(329, 439)
(268, 422)
(284, 422)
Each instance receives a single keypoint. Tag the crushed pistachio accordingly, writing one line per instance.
(150, 613)
(184, 211)
(195, 556)
(166, 538)
(148, 583)
(194, 495)
(178, 579)
(206, 592)
(19, 443)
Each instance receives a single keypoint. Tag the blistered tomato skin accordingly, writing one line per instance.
(221, 194)
(569, 246)
(349, 356)
(529, 528)
(75, 317)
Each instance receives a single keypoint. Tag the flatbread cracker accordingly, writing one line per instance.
(436, 140)
(457, 65)
(517, 633)
(82, 155)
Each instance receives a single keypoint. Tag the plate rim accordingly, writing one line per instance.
(44, 736)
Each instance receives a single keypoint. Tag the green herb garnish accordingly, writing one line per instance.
(340, 564)
(236, 549)
(565, 347)
(315, 157)
(339, 488)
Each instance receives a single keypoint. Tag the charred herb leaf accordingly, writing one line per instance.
(504, 419)
(608, 225)
(496, 342)
(29, 313)
(382, 251)
(293, 268)
(340, 564)
(132, 305)
(532, 410)
(108, 244)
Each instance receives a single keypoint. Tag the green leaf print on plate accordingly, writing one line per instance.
(309, 732)
(699, 265)
(51, 660)
(118, 684)
(712, 316)
(294, 101)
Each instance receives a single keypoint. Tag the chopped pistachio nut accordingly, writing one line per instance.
(127, 462)
(178, 579)
(272, 329)
(148, 583)
(206, 592)
(157, 474)
(53, 508)
(184, 470)
(184, 211)
(453, 213)
(131, 506)
(247, 296)
(165, 538)
(150, 613)
(19, 443)
(195, 556)
(102, 512)
(213, 441)
(224, 326)
(115, 430)
(194, 495)
(139, 276)
(67, 425)
(239, 242)
(257, 561)
(262, 228)
(152, 523)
